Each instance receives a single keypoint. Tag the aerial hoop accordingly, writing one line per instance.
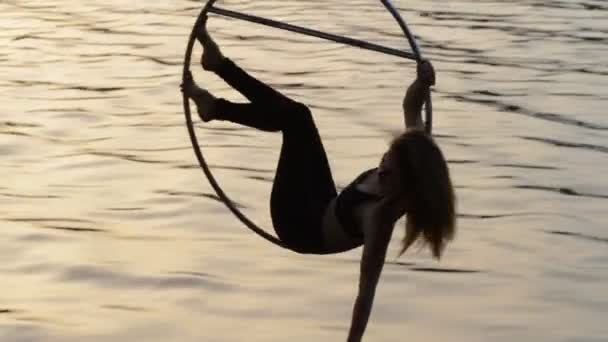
(210, 8)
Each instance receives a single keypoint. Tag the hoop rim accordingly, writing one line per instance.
(194, 140)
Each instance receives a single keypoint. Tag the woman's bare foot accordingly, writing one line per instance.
(204, 100)
(212, 57)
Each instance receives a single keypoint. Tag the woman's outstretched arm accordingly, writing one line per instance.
(372, 261)
(416, 95)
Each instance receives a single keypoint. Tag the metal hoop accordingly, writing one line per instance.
(345, 40)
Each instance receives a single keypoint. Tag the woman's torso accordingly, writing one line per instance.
(344, 223)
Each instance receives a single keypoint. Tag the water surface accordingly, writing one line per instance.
(110, 232)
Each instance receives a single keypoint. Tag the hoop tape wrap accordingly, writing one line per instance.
(365, 45)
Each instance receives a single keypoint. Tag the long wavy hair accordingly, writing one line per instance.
(431, 202)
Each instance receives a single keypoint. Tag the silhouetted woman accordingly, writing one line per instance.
(307, 213)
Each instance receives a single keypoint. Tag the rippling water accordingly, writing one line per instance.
(111, 233)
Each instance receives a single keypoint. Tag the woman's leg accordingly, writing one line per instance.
(263, 116)
(266, 102)
(269, 110)
(303, 184)
(253, 89)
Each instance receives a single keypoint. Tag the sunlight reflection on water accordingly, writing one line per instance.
(111, 232)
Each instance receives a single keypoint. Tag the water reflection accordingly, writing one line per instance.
(111, 232)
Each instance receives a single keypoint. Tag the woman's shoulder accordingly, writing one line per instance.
(368, 183)
(365, 174)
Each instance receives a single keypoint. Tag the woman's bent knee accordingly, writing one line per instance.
(300, 112)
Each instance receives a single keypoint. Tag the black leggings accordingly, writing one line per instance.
(303, 184)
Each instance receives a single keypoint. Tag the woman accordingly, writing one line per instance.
(307, 213)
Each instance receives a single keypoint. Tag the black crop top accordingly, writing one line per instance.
(346, 202)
